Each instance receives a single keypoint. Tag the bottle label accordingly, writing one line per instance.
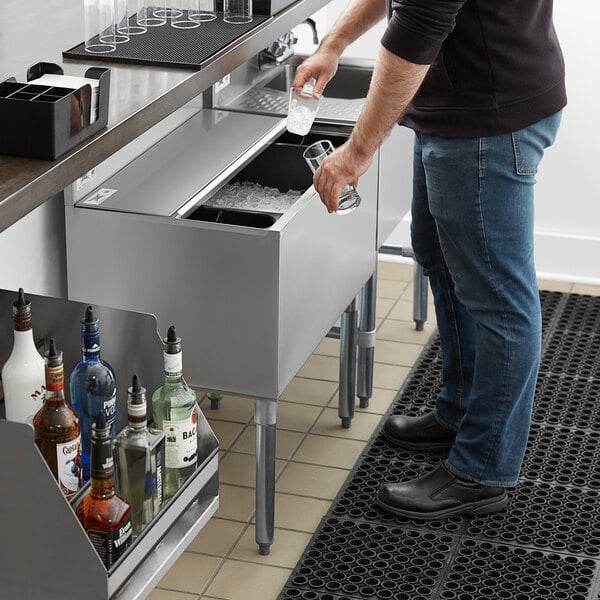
(68, 463)
(55, 378)
(112, 543)
(181, 441)
(173, 363)
(158, 480)
(110, 408)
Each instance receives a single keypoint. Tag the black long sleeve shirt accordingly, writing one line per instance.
(496, 65)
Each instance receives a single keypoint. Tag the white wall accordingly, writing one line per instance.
(568, 191)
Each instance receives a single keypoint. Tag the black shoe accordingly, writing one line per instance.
(418, 433)
(440, 494)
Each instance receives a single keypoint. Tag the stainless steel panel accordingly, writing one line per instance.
(122, 335)
(395, 182)
(165, 177)
(33, 535)
(251, 304)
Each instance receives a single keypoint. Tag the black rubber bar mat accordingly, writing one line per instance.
(166, 46)
(545, 544)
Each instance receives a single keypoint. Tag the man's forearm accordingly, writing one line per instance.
(395, 82)
(358, 18)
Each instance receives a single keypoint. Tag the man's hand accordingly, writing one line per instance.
(339, 169)
(321, 66)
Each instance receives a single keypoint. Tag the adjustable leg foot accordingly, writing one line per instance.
(215, 400)
(346, 422)
(264, 549)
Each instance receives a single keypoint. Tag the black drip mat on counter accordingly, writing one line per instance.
(545, 544)
(166, 46)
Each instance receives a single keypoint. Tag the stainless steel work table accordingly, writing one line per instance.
(140, 97)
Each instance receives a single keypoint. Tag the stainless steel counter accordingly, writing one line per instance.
(40, 30)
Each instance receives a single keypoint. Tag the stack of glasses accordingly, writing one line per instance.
(112, 22)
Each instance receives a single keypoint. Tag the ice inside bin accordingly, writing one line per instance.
(253, 196)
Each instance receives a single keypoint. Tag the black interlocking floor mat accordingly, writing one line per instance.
(545, 544)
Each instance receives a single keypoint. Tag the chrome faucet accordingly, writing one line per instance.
(283, 47)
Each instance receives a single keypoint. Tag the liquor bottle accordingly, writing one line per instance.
(92, 387)
(23, 373)
(105, 516)
(176, 414)
(56, 427)
(139, 458)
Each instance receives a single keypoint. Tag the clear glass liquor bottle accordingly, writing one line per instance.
(23, 374)
(92, 386)
(56, 428)
(139, 459)
(176, 413)
(105, 516)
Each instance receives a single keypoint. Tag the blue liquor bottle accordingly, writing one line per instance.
(92, 386)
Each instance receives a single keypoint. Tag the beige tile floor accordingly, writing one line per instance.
(313, 457)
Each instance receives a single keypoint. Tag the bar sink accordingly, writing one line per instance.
(349, 82)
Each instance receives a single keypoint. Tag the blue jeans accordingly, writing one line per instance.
(472, 231)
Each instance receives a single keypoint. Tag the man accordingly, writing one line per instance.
(482, 84)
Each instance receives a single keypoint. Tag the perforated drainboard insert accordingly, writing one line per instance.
(172, 47)
(545, 544)
(275, 102)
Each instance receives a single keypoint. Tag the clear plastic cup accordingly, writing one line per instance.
(121, 21)
(182, 12)
(314, 155)
(99, 26)
(302, 108)
(237, 12)
(205, 11)
(132, 20)
(152, 13)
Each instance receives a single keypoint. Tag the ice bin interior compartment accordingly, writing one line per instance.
(282, 166)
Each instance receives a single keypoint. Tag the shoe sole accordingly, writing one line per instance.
(474, 508)
(425, 447)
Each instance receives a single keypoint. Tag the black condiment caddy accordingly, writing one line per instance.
(44, 121)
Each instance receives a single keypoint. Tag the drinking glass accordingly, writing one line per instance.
(205, 12)
(314, 156)
(121, 21)
(99, 26)
(152, 13)
(133, 21)
(181, 13)
(302, 108)
(237, 11)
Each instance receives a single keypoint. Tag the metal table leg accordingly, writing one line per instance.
(265, 419)
(419, 297)
(366, 340)
(419, 283)
(347, 391)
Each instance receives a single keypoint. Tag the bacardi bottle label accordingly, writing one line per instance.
(111, 544)
(181, 441)
(68, 463)
(173, 363)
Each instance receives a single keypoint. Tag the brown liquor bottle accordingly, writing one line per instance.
(105, 516)
(56, 427)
